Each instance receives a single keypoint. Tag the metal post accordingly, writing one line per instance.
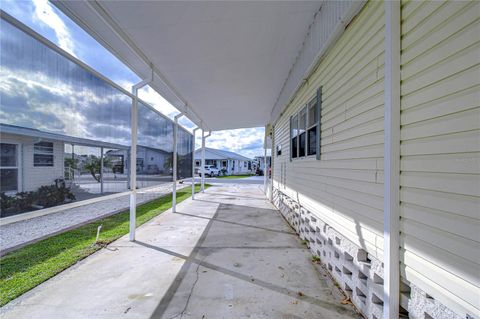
(202, 169)
(265, 167)
(174, 185)
(127, 167)
(391, 205)
(133, 158)
(101, 170)
(272, 162)
(73, 163)
(133, 168)
(193, 163)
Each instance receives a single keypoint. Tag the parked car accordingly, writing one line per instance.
(259, 172)
(209, 170)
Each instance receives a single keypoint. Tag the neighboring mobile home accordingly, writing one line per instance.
(31, 158)
(232, 163)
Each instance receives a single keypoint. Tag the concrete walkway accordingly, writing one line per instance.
(228, 254)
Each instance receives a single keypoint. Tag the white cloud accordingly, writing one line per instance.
(247, 142)
(45, 13)
(151, 96)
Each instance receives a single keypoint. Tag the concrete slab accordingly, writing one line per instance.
(228, 254)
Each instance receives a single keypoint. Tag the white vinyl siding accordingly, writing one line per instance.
(31, 177)
(440, 151)
(345, 187)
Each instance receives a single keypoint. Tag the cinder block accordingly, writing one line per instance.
(359, 274)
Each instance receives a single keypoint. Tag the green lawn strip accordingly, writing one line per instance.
(27, 267)
(235, 176)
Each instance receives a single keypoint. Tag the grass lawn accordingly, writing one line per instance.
(27, 267)
(235, 176)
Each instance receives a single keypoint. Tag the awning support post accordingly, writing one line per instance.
(391, 224)
(133, 157)
(193, 163)
(202, 168)
(101, 170)
(174, 185)
(272, 162)
(265, 167)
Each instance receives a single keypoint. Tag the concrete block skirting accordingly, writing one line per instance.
(357, 273)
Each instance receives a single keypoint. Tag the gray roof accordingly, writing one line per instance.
(214, 154)
(25, 131)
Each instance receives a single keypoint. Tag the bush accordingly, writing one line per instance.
(6, 202)
(23, 201)
(48, 196)
(45, 196)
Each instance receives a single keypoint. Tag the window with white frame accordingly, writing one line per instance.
(294, 136)
(302, 131)
(312, 125)
(43, 154)
(305, 129)
(8, 167)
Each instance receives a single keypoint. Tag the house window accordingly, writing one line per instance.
(43, 154)
(305, 129)
(197, 163)
(312, 126)
(224, 164)
(279, 149)
(8, 167)
(294, 136)
(302, 134)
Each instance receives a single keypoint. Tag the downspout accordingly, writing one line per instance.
(202, 169)
(133, 156)
(193, 163)
(174, 171)
(391, 205)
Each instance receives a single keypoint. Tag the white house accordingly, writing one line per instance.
(32, 158)
(259, 162)
(150, 161)
(232, 163)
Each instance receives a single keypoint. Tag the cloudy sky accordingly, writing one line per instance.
(45, 19)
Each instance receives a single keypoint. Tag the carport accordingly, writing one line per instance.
(228, 65)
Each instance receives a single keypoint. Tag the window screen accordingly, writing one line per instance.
(43, 154)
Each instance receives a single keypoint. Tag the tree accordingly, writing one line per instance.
(93, 166)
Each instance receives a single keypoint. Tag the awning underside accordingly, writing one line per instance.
(227, 61)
